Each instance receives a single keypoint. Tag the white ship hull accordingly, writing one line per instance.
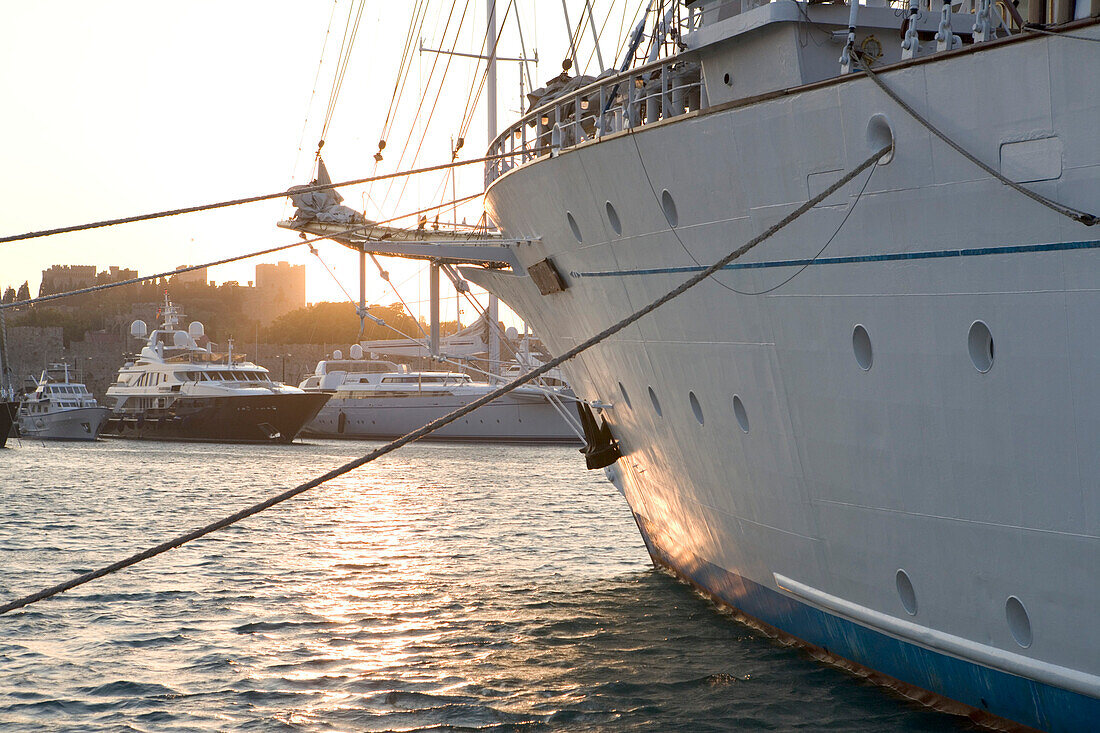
(82, 423)
(926, 519)
(512, 418)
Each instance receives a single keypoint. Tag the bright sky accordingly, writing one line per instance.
(120, 108)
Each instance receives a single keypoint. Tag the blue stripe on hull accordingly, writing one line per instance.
(1018, 699)
(887, 257)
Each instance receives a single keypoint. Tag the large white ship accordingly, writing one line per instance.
(878, 431)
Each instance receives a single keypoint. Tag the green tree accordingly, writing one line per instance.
(9, 295)
(24, 291)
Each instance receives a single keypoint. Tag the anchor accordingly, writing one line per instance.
(600, 449)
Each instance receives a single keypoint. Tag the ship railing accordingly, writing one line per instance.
(662, 90)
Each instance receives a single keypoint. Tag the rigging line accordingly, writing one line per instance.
(1077, 215)
(428, 83)
(315, 253)
(624, 40)
(843, 221)
(525, 65)
(481, 53)
(485, 76)
(796, 273)
(599, 34)
(398, 331)
(249, 199)
(339, 58)
(427, 87)
(403, 68)
(554, 398)
(386, 276)
(342, 71)
(438, 423)
(135, 280)
(435, 102)
(132, 281)
(313, 93)
(351, 46)
(471, 98)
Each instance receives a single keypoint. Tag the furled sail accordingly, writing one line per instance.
(324, 205)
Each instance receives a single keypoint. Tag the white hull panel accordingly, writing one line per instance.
(506, 419)
(802, 507)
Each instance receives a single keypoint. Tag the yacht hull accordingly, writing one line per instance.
(507, 419)
(827, 440)
(83, 423)
(7, 420)
(274, 418)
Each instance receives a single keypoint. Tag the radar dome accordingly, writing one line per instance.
(337, 354)
(196, 329)
(356, 351)
(511, 333)
(139, 330)
(180, 339)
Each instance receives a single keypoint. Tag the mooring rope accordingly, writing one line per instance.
(357, 229)
(451, 417)
(249, 199)
(1068, 211)
(1034, 28)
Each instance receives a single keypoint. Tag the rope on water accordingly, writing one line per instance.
(357, 229)
(248, 199)
(451, 417)
(1068, 211)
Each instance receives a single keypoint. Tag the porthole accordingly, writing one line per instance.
(740, 414)
(861, 347)
(669, 206)
(626, 397)
(573, 226)
(656, 402)
(980, 343)
(727, 80)
(696, 408)
(1018, 622)
(613, 218)
(906, 593)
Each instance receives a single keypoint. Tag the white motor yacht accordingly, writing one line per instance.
(176, 389)
(377, 399)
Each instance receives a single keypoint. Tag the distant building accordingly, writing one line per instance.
(280, 289)
(197, 277)
(60, 278)
(114, 274)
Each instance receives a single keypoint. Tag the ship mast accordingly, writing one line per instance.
(491, 123)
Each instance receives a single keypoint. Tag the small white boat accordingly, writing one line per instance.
(60, 409)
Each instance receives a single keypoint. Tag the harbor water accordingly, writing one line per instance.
(443, 587)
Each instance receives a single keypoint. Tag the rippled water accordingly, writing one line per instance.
(445, 587)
